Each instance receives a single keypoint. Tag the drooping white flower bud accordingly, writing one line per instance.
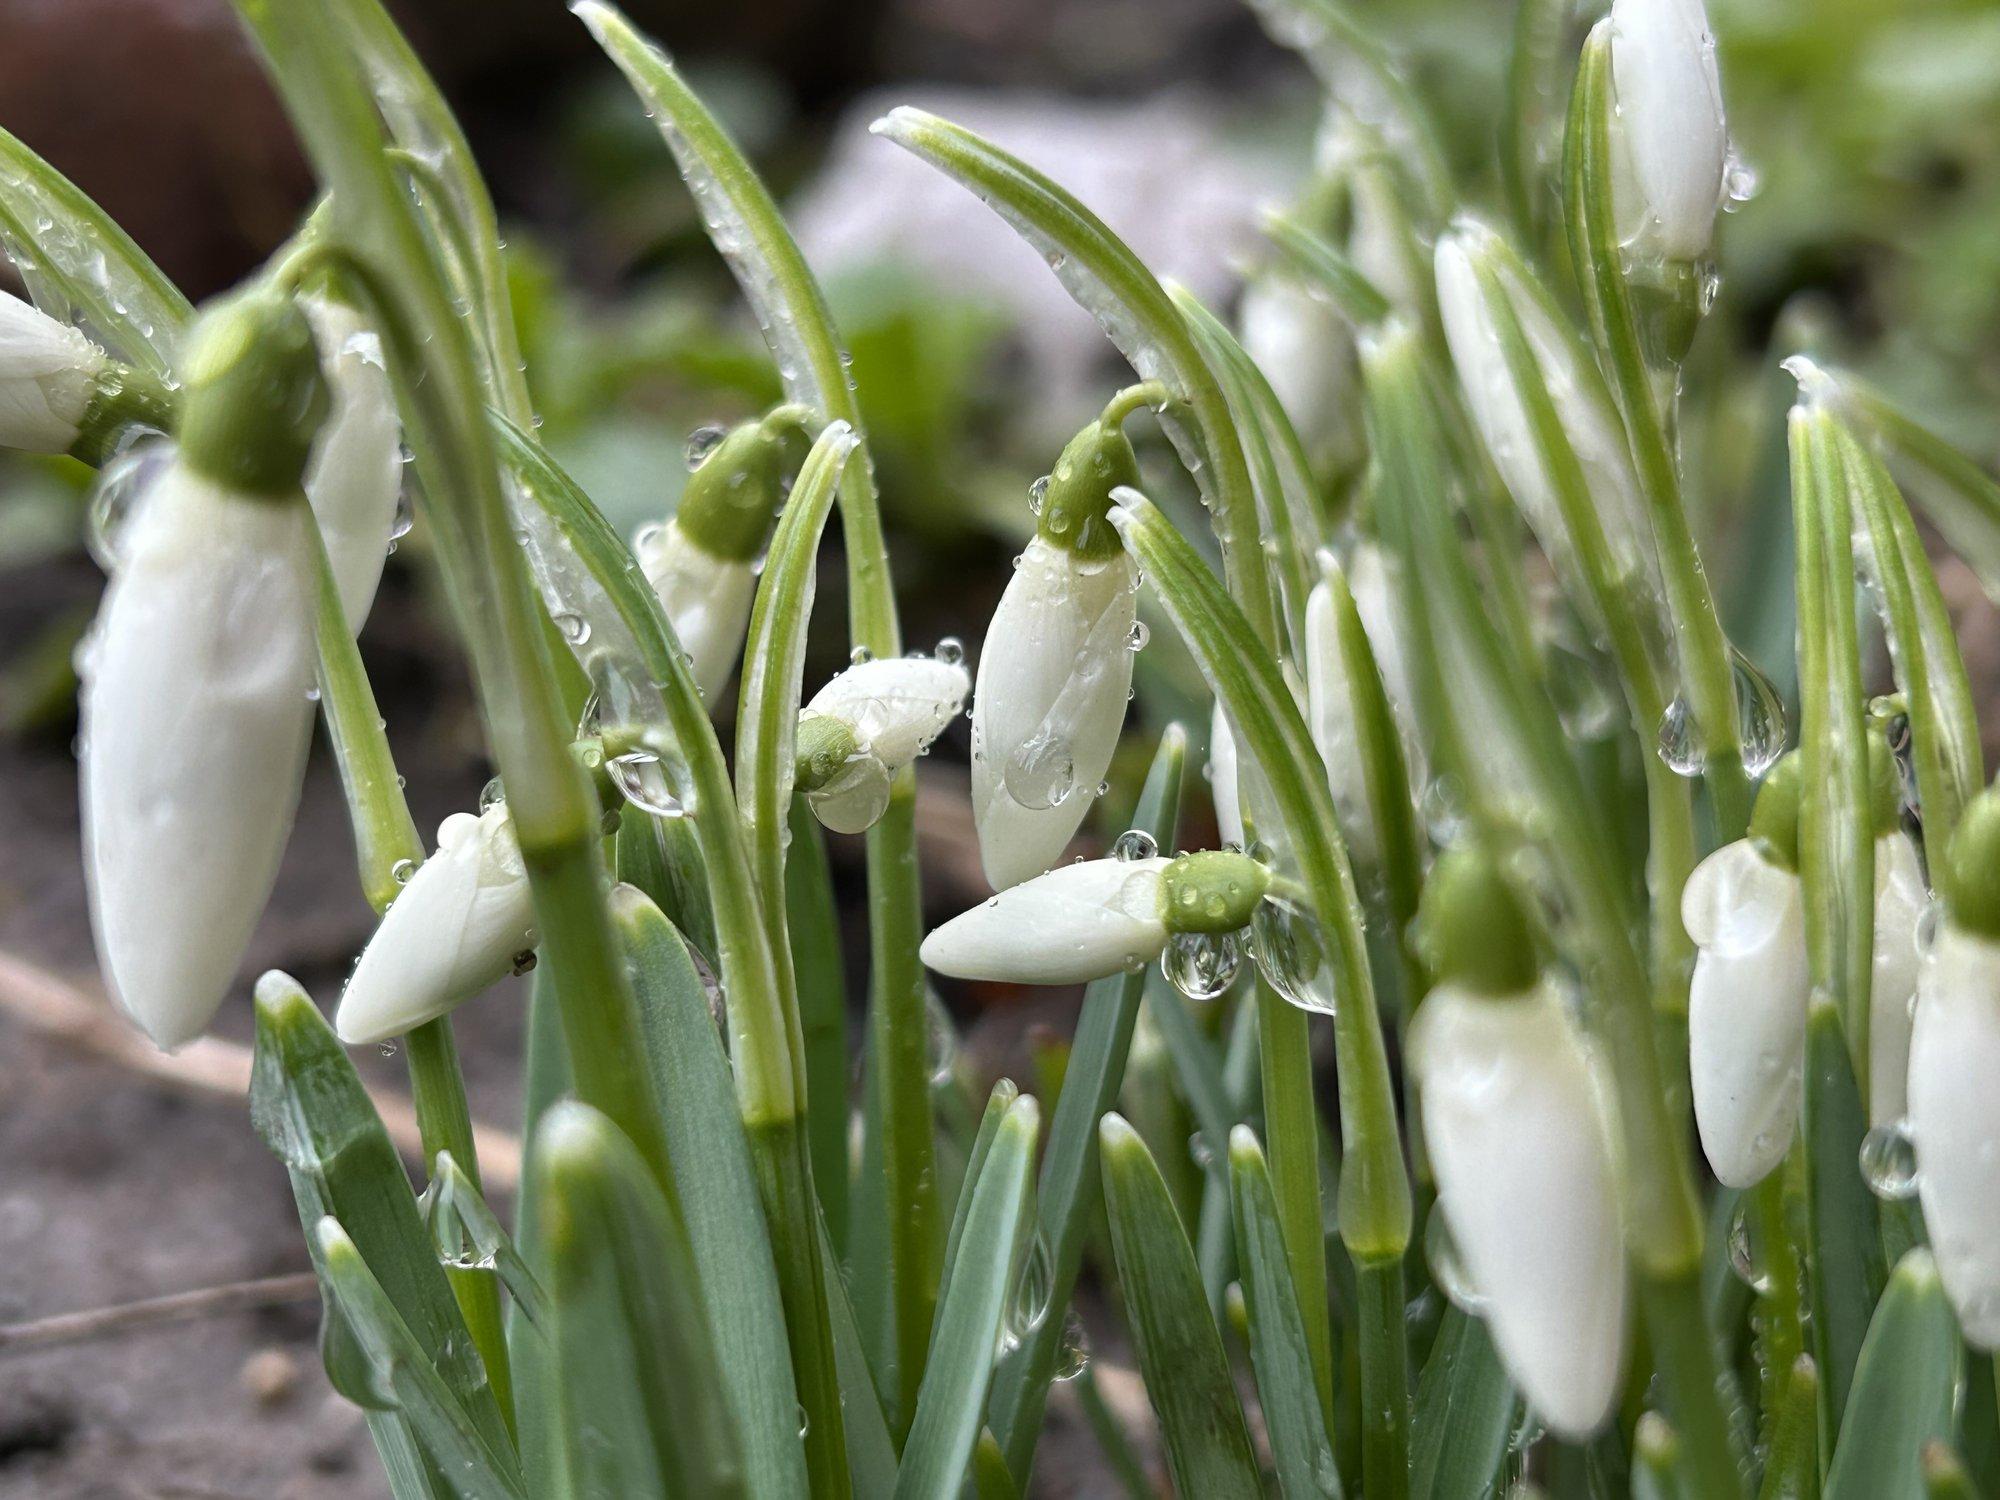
(1056, 667)
(463, 920)
(1330, 713)
(1096, 917)
(1520, 1138)
(703, 562)
(1306, 351)
(355, 477)
(1954, 1106)
(1473, 265)
(1744, 908)
(48, 375)
(867, 724)
(1900, 899)
(1671, 140)
(195, 720)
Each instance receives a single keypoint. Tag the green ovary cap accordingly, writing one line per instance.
(1970, 879)
(730, 501)
(823, 746)
(1213, 891)
(253, 396)
(1097, 461)
(1472, 928)
(1775, 821)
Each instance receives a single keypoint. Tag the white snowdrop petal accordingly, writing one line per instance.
(1900, 899)
(1048, 704)
(46, 373)
(195, 725)
(1330, 714)
(895, 706)
(458, 926)
(1514, 1119)
(1222, 777)
(1954, 1114)
(707, 600)
(1673, 139)
(355, 475)
(1306, 351)
(1074, 924)
(1746, 1009)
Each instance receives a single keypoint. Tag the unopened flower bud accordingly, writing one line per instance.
(1057, 666)
(1671, 141)
(1306, 351)
(48, 371)
(1954, 1108)
(1520, 1139)
(462, 921)
(195, 719)
(867, 724)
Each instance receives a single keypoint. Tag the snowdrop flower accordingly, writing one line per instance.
(1096, 917)
(1672, 143)
(1050, 695)
(195, 719)
(1223, 785)
(61, 393)
(1475, 268)
(1954, 1108)
(355, 477)
(866, 725)
(1306, 351)
(1520, 1138)
(703, 562)
(1744, 908)
(1900, 899)
(1330, 716)
(463, 920)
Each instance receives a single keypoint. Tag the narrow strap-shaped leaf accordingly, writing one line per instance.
(1944, 721)
(1005, 1092)
(663, 858)
(871, 1455)
(79, 266)
(467, 1462)
(718, 1192)
(1463, 1414)
(953, 1395)
(309, 1106)
(1791, 1460)
(813, 921)
(1180, 1352)
(1068, 1190)
(1326, 271)
(991, 1478)
(643, 1392)
(1108, 281)
(545, 1079)
(1537, 51)
(1961, 499)
(1904, 1389)
(1301, 1450)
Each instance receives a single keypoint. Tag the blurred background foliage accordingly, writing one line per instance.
(1873, 128)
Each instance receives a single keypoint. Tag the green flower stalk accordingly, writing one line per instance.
(195, 716)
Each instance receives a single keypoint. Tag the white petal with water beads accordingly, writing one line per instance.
(355, 475)
(706, 598)
(1520, 1140)
(47, 375)
(460, 923)
(1048, 704)
(1672, 142)
(1900, 899)
(1954, 1115)
(195, 724)
(1074, 924)
(1746, 1009)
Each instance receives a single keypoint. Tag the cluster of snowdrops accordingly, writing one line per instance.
(1416, 400)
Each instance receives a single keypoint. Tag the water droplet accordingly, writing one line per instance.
(701, 443)
(119, 493)
(860, 656)
(1037, 493)
(404, 518)
(940, 1041)
(1928, 922)
(1680, 741)
(1760, 724)
(1028, 1306)
(387, 1049)
(1072, 1349)
(492, 795)
(1040, 773)
(1742, 1253)
(1889, 1161)
(1137, 636)
(1447, 1269)
(1201, 965)
(642, 781)
(1293, 955)
(402, 870)
(1200, 1152)
(574, 627)
(524, 962)
(805, 1422)
(1134, 844)
(950, 651)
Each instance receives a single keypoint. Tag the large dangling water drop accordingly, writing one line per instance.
(1201, 965)
(1040, 773)
(1889, 1161)
(1293, 954)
